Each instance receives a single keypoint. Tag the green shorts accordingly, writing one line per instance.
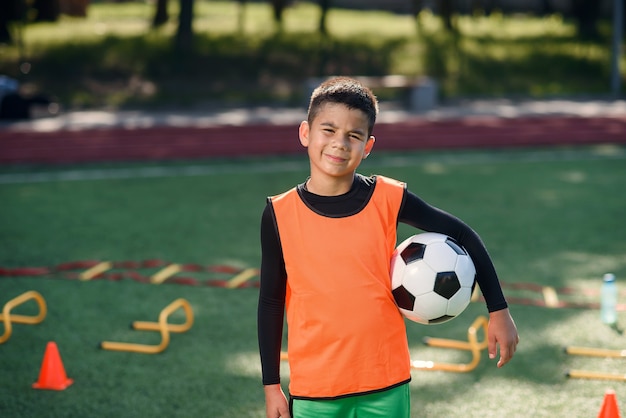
(392, 403)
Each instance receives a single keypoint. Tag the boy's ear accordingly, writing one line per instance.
(303, 132)
(368, 146)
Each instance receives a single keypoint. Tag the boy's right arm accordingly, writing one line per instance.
(271, 316)
(276, 405)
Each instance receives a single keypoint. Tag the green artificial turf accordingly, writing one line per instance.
(552, 217)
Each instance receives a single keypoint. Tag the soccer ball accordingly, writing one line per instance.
(432, 278)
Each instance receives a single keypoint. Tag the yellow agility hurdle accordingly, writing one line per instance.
(7, 318)
(241, 278)
(595, 352)
(165, 273)
(586, 374)
(95, 270)
(472, 344)
(162, 326)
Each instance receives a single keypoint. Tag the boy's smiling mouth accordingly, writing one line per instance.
(335, 159)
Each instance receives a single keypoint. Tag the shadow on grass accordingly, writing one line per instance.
(143, 71)
(488, 66)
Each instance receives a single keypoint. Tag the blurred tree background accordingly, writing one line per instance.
(161, 53)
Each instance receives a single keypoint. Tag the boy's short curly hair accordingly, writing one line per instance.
(346, 91)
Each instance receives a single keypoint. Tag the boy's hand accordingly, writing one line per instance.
(276, 405)
(502, 331)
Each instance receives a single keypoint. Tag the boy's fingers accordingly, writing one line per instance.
(492, 347)
(506, 352)
(504, 357)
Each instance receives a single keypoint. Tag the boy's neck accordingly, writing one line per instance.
(329, 186)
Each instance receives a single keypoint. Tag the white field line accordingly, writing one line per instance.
(413, 159)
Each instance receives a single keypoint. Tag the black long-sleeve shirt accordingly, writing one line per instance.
(414, 212)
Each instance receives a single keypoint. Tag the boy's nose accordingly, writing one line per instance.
(341, 141)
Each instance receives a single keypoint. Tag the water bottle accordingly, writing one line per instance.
(608, 300)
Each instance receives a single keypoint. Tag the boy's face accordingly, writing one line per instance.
(337, 141)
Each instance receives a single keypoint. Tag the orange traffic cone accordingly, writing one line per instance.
(52, 374)
(609, 406)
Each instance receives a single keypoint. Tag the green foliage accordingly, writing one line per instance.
(145, 69)
(114, 58)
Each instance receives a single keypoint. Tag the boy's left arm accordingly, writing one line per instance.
(503, 332)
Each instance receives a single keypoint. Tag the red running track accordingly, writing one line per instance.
(164, 142)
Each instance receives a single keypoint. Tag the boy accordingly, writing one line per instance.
(326, 250)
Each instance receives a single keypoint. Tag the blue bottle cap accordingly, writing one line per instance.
(609, 277)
